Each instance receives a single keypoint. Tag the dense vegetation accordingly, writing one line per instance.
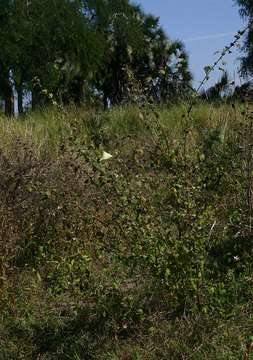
(125, 231)
(146, 255)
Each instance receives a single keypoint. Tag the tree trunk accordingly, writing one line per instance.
(6, 90)
(8, 96)
(20, 99)
(105, 101)
(35, 99)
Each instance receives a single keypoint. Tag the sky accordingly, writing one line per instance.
(205, 26)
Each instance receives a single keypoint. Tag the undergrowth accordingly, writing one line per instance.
(146, 255)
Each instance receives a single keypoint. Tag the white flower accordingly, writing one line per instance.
(105, 156)
(236, 258)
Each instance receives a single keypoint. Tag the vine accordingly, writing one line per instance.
(225, 51)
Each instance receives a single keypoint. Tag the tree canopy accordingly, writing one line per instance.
(78, 50)
(246, 11)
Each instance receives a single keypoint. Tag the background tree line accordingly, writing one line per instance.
(86, 51)
(81, 50)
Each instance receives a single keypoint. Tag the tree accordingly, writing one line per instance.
(64, 49)
(118, 23)
(218, 90)
(7, 56)
(47, 47)
(246, 11)
(140, 53)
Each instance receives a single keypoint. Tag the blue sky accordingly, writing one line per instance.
(205, 26)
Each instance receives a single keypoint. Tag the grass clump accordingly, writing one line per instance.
(143, 256)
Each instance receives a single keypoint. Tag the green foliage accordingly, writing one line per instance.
(246, 11)
(146, 254)
(102, 52)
